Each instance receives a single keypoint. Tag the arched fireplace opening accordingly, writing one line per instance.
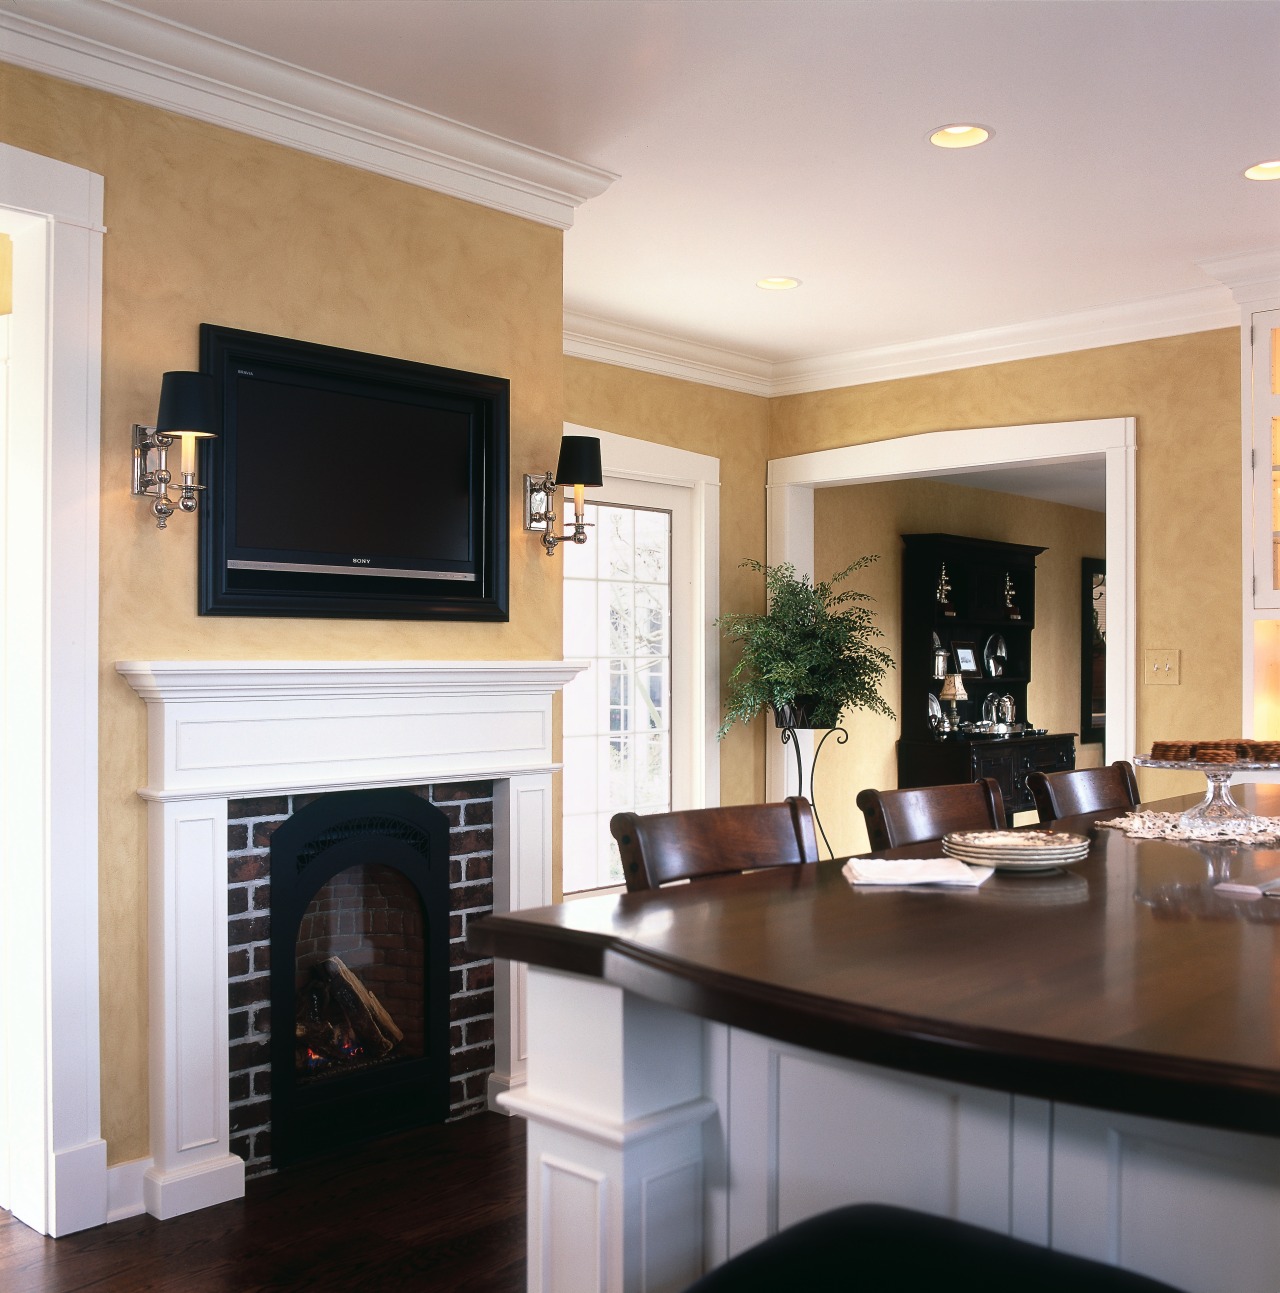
(359, 970)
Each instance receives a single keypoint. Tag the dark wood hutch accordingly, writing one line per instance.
(987, 602)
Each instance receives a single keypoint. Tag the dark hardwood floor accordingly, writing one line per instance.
(442, 1208)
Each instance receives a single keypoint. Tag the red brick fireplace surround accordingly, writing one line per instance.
(251, 823)
(234, 730)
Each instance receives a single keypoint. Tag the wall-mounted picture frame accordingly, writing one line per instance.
(965, 655)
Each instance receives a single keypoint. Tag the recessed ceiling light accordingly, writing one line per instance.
(779, 283)
(960, 136)
(1264, 171)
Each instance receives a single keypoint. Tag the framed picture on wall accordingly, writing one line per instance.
(965, 655)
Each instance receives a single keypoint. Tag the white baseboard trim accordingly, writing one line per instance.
(499, 1085)
(124, 1189)
(216, 1180)
(79, 1188)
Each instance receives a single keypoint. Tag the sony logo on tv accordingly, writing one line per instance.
(360, 561)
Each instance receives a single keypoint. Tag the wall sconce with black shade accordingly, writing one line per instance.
(188, 412)
(579, 466)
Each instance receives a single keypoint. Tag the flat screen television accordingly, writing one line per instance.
(351, 485)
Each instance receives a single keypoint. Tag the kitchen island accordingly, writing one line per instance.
(1087, 1058)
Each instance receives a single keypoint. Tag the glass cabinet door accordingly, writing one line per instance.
(1266, 458)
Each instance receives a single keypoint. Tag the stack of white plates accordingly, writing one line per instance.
(1016, 850)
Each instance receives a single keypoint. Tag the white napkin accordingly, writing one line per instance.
(898, 871)
(1271, 889)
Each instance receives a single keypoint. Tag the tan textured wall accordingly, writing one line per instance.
(1185, 394)
(729, 426)
(849, 522)
(204, 225)
(208, 226)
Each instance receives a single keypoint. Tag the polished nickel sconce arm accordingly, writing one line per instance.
(152, 477)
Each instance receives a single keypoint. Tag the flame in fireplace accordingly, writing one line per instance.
(348, 1047)
(339, 1021)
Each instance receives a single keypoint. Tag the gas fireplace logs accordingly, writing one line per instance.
(335, 996)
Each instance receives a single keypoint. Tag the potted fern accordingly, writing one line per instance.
(810, 656)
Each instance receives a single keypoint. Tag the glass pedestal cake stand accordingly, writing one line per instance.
(1217, 808)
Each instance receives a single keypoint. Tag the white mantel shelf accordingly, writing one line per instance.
(247, 679)
(220, 729)
(278, 727)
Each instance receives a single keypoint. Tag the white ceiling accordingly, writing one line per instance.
(1082, 482)
(759, 137)
(718, 141)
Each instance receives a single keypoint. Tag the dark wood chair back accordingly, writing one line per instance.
(657, 848)
(1084, 790)
(921, 813)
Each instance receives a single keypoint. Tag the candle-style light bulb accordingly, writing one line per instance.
(188, 454)
(579, 501)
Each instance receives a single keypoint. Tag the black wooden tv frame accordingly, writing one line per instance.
(341, 596)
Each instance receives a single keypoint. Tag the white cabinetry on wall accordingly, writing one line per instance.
(1262, 416)
(1260, 413)
(1254, 280)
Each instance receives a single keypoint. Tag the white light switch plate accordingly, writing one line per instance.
(1163, 667)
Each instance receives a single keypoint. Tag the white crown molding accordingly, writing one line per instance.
(111, 46)
(588, 337)
(1197, 310)
(1253, 276)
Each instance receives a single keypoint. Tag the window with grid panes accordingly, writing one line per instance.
(617, 713)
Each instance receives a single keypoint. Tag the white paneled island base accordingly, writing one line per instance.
(1087, 1058)
(661, 1144)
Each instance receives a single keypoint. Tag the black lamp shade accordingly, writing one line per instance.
(187, 404)
(579, 462)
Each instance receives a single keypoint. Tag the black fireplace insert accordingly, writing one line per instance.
(359, 971)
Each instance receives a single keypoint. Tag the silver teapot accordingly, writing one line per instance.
(1000, 711)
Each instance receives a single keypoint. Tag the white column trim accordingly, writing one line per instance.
(615, 1129)
(56, 1168)
(522, 824)
(788, 529)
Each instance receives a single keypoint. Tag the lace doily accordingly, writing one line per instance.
(1149, 825)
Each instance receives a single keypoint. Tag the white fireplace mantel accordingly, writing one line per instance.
(224, 729)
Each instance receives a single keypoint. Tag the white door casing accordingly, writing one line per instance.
(695, 640)
(54, 1176)
(792, 481)
(598, 592)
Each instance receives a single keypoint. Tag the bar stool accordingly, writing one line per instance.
(875, 1248)
(657, 848)
(1083, 790)
(922, 813)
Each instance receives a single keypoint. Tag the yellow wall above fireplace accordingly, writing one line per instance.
(205, 225)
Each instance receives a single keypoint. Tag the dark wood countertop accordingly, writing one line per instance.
(1121, 983)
